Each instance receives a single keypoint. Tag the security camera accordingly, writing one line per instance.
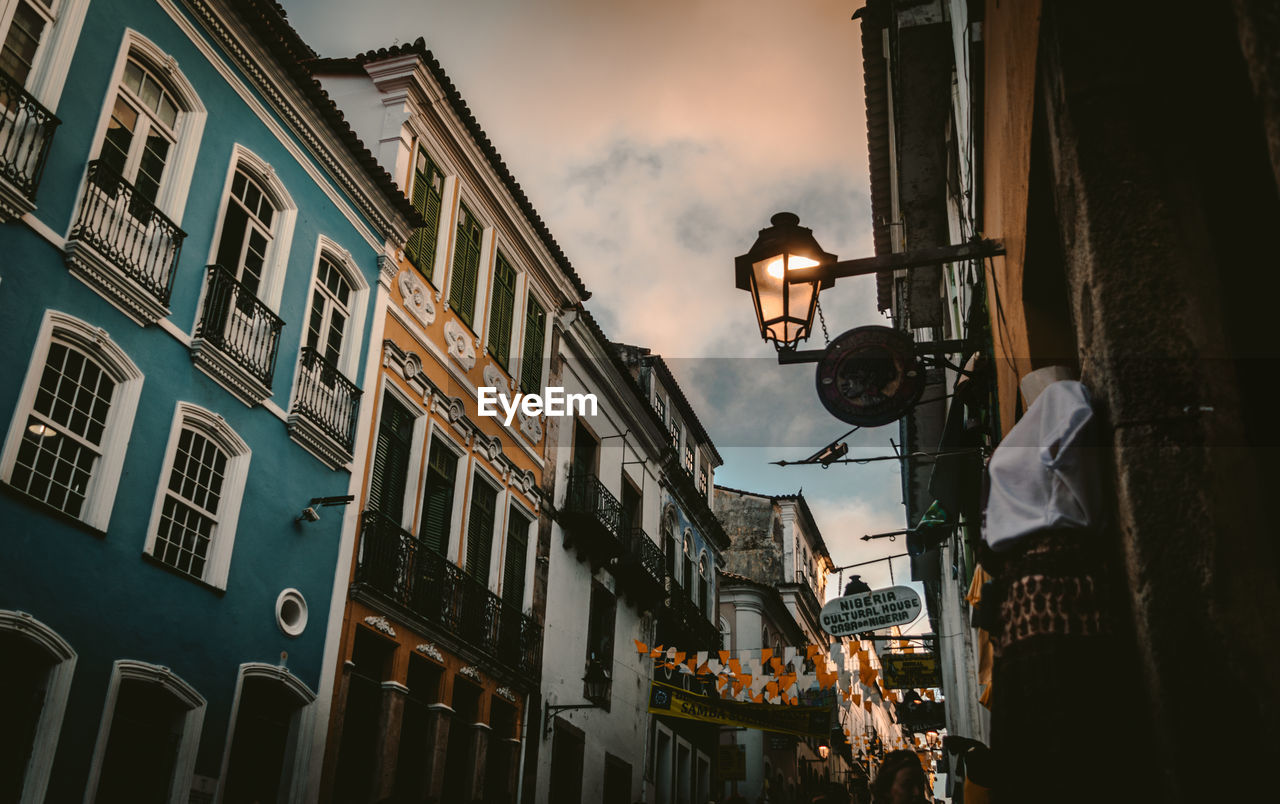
(309, 515)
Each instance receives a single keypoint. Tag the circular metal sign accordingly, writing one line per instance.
(870, 376)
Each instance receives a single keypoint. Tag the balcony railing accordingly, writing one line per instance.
(235, 321)
(26, 131)
(646, 555)
(592, 517)
(641, 569)
(681, 619)
(326, 398)
(399, 568)
(128, 231)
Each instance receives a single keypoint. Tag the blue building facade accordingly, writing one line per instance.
(191, 253)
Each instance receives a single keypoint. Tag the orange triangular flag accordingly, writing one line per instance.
(777, 665)
(811, 650)
(765, 653)
(656, 652)
(735, 666)
(679, 657)
(641, 648)
(724, 656)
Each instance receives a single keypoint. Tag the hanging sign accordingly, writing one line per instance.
(802, 721)
(868, 611)
(906, 671)
(870, 376)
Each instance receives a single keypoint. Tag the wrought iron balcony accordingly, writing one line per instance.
(123, 246)
(399, 569)
(26, 131)
(325, 403)
(592, 518)
(680, 620)
(237, 337)
(641, 569)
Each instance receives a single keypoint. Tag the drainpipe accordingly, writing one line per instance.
(524, 741)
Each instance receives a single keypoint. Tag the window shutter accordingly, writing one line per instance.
(480, 530)
(535, 325)
(466, 267)
(502, 311)
(391, 460)
(427, 187)
(514, 562)
(437, 502)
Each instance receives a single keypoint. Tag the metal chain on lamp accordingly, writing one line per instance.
(822, 319)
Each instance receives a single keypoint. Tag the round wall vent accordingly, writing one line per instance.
(291, 612)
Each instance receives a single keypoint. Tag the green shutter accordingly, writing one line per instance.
(428, 186)
(502, 311)
(466, 267)
(535, 326)
(391, 459)
(480, 529)
(514, 561)
(437, 498)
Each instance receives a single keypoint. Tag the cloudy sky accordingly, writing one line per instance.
(655, 139)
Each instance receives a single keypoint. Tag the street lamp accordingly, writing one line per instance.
(784, 307)
(597, 688)
(786, 269)
(824, 750)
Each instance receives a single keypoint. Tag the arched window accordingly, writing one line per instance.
(71, 427)
(669, 542)
(35, 678)
(146, 749)
(151, 130)
(704, 585)
(255, 227)
(193, 523)
(687, 578)
(126, 236)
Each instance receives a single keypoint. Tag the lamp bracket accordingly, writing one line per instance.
(903, 260)
(551, 710)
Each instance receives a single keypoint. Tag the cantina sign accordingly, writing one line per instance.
(868, 611)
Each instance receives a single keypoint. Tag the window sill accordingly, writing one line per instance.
(49, 510)
(152, 560)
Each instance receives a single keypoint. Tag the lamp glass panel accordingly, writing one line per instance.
(770, 299)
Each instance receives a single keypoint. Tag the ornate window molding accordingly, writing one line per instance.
(126, 670)
(189, 418)
(54, 705)
(95, 343)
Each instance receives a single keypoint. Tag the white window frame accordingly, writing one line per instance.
(36, 778)
(498, 535)
(530, 542)
(275, 266)
(187, 416)
(414, 137)
(188, 129)
(301, 729)
(353, 339)
(461, 488)
(57, 46)
(415, 474)
(500, 245)
(480, 315)
(184, 764)
(101, 494)
(518, 326)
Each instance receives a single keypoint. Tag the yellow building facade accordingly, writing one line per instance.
(440, 642)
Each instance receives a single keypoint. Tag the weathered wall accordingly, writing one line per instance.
(1160, 209)
(755, 551)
